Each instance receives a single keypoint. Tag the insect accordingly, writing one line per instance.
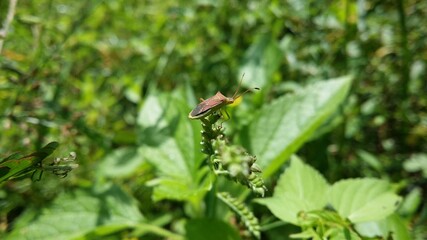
(214, 103)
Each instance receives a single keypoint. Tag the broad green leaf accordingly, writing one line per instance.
(154, 126)
(210, 229)
(121, 162)
(300, 188)
(411, 202)
(261, 60)
(13, 166)
(370, 229)
(342, 234)
(176, 179)
(362, 200)
(417, 162)
(75, 214)
(306, 234)
(332, 234)
(176, 152)
(397, 227)
(370, 159)
(393, 225)
(281, 127)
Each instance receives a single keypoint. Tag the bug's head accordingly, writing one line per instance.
(230, 100)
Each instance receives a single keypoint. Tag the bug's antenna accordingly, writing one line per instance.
(235, 96)
(238, 87)
(249, 90)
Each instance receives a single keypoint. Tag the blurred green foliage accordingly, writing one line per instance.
(113, 80)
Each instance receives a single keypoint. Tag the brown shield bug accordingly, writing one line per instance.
(214, 103)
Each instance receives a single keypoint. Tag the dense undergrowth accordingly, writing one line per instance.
(332, 146)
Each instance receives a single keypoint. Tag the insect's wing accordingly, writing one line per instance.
(211, 104)
(205, 106)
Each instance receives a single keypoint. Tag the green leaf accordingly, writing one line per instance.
(397, 227)
(177, 180)
(283, 126)
(370, 159)
(362, 200)
(75, 214)
(176, 153)
(15, 166)
(417, 162)
(306, 234)
(261, 61)
(121, 162)
(411, 202)
(342, 234)
(300, 188)
(331, 234)
(393, 225)
(210, 229)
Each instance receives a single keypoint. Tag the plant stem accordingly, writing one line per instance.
(7, 22)
(143, 227)
(405, 58)
(273, 225)
(211, 201)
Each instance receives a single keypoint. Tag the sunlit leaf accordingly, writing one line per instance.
(362, 200)
(210, 229)
(281, 127)
(417, 162)
(300, 188)
(261, 60)
(75, 214)
(171, 143)
(392, 227)
(121, 162)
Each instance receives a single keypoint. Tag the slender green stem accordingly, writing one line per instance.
(272, 225)
(405, 54)
(143, 227)
(211, 201)
(7, 22)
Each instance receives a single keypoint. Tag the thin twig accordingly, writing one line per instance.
(406, 60)
(7, 22)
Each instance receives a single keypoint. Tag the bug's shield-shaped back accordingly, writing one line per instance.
(211, 104)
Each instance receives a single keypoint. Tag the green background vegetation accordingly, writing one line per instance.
(114, 81)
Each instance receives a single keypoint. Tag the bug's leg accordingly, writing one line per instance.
(223, 119)
(228, 116)
(201, 99)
